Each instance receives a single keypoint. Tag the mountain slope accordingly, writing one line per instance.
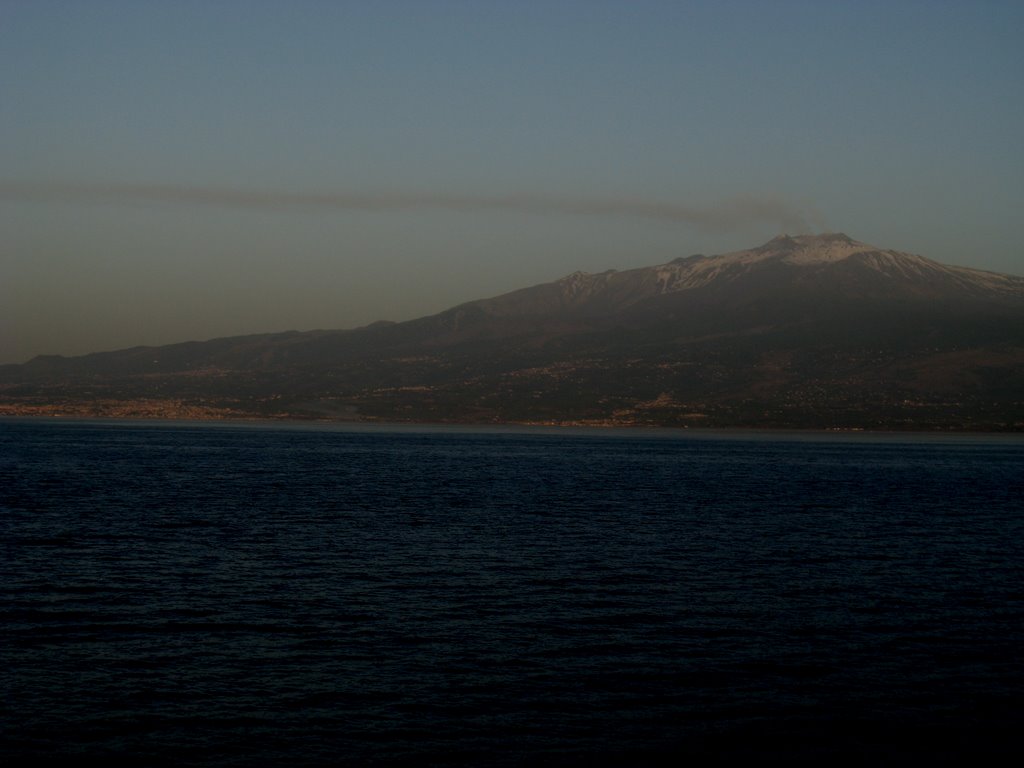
(815, 331)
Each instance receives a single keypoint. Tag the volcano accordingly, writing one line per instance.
(807, 331)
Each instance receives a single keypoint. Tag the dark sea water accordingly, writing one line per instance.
(240, 595)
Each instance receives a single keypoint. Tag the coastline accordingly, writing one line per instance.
(566, 428)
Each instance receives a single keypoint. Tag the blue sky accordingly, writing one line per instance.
(134, 137)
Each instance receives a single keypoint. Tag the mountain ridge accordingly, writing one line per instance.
(804, 330)
(693, 272)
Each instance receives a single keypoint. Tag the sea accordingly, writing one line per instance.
(310, 594)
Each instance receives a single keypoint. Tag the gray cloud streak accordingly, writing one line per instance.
(724, 216)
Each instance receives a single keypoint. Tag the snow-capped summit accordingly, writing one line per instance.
(787, 266)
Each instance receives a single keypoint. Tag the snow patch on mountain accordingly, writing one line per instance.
(830, 249)
(915, 275)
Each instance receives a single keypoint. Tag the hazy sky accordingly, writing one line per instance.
(184, 170)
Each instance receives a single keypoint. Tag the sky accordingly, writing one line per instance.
(174, 171)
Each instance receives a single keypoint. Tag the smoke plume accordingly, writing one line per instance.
(724, 216)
